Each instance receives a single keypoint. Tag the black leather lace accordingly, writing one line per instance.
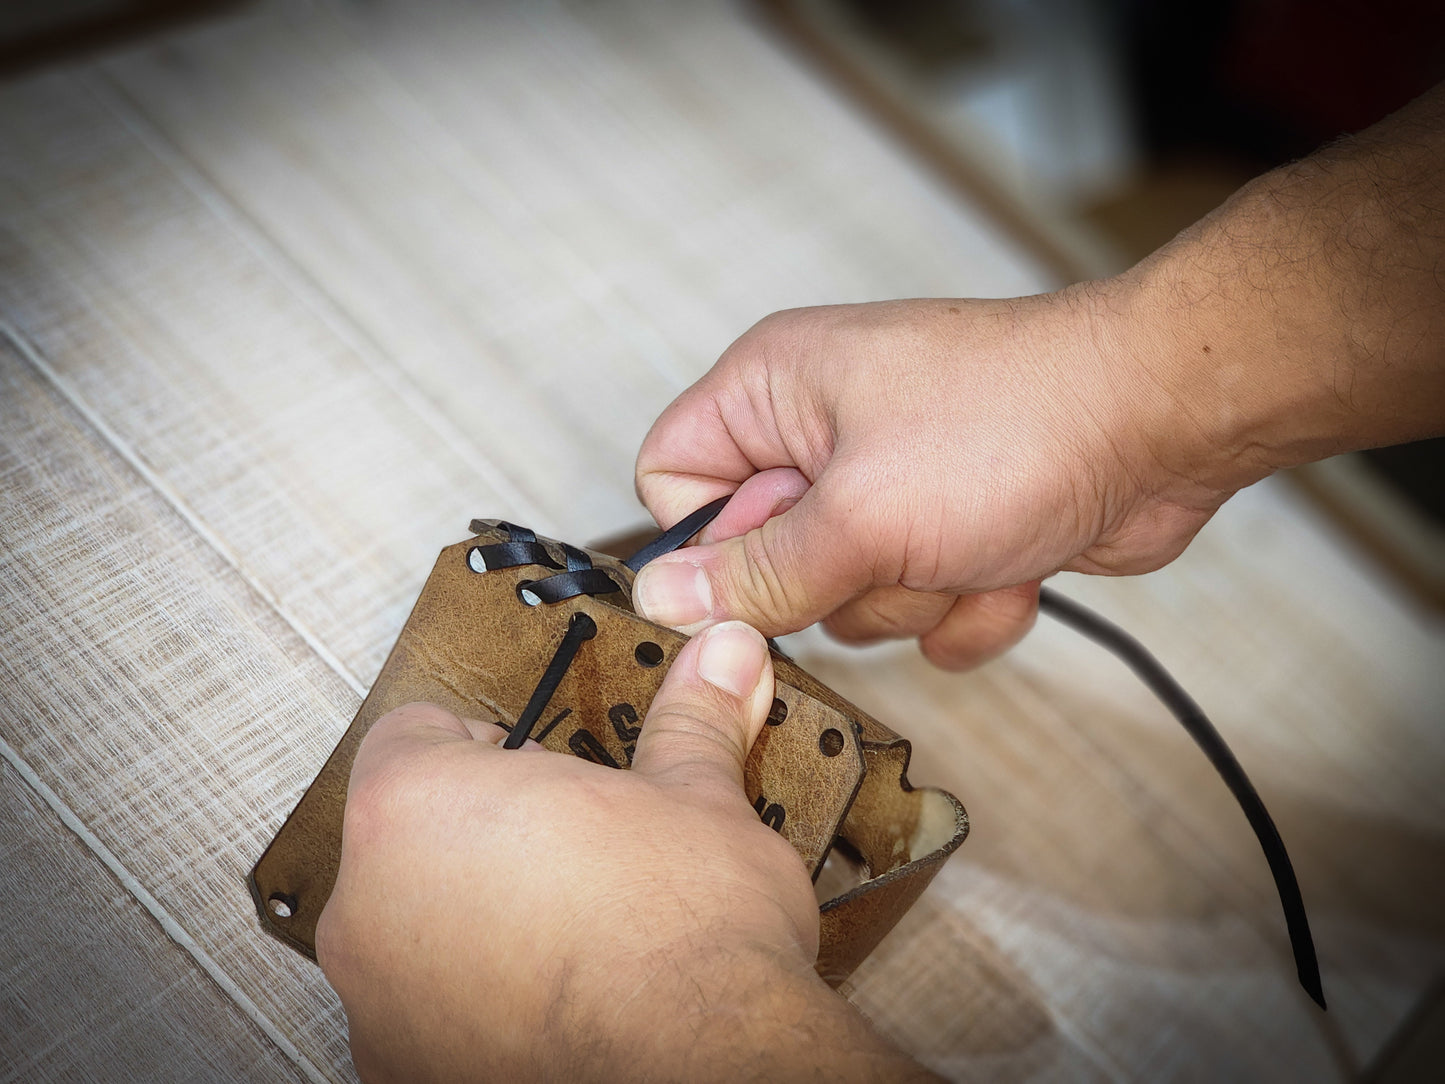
(580, 577)
(580, 629)
(1162, 684)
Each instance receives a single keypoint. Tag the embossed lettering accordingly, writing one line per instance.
(772, 813)
(585, 744)
(624, 722)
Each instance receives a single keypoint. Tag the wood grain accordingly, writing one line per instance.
(76, 944)
(168, 708)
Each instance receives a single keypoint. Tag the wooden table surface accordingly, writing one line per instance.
(289, 296)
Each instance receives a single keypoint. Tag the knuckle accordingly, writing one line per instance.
(860, 622)
(376, 801)
(774, 323)
(645, 481)
(1012, 611)
(778, 342)
(766, 592)
(888, 613)
(980, 627)
(847, 630)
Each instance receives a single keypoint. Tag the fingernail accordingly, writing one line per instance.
(731, 657)
(672, 593)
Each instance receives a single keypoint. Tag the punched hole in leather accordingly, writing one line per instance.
(484, 634)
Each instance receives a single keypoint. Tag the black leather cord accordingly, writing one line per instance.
(579, 629)
(1182, 705)
(577, 561)
(518, 534)
(513, 554)
(565, 585)
(677, 534)
(522, 548)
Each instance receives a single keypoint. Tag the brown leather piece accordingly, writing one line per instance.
(472, 645)
(902, 836)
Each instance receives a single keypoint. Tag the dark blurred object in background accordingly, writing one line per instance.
(1267, 81)
(1271, 80)
(1205, 93)
(38, 32)
(1418, 471)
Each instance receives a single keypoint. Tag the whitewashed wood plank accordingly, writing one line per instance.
(90, 987)
(443, 153)
(159, 697)
(156, 310)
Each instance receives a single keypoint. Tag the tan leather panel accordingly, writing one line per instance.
(473, 646)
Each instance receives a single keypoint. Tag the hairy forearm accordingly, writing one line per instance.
(1306, 316)
(731, 1017)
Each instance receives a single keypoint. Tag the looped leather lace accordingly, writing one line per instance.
(522, 548)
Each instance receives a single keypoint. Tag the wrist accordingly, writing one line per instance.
(1184, 427)
(1301, 319)
(725, 1014)
(1224, 344)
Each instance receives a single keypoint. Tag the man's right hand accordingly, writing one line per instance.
(915, 468)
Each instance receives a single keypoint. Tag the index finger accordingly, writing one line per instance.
(727, 427)
(689, 457)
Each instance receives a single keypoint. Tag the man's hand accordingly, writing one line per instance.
(520, 915)
(924, 465)
(914, 468)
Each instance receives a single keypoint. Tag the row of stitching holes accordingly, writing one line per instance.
(830, 742)
(649, 655)
(478, 565)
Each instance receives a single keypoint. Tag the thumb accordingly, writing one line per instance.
(779, 577)
(709, 709)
